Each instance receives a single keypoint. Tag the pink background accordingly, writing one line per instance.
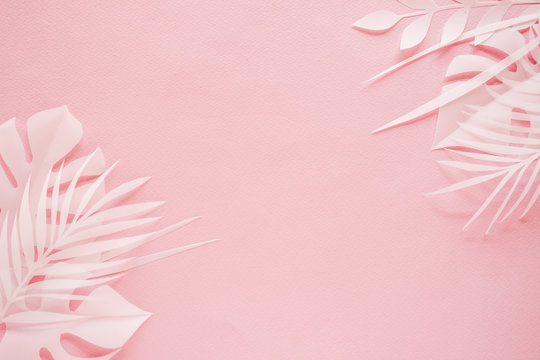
(253, 115)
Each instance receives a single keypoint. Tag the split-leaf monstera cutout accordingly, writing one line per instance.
(488, 112)
(61, 231)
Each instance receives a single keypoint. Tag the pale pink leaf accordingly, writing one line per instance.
(467, 166)
(468, 183)
(490, 198)
(493, 15)
(103, 309)
(455, 25)
(378, 21)
(104, 230)
(508, 196)
(525, 191)
(415, 32)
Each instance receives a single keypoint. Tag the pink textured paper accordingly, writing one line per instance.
(252, 114)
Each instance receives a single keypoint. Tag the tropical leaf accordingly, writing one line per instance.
(488, 112)
(38, 335)
(52, 135)
(500, 122)
(378, 21)
(67, 233)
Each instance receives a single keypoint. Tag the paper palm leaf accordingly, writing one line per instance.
(66, 233)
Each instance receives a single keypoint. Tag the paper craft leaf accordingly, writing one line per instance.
(455, 25)
(104, 319)
(378, 21)
(52, 134)
(493, 15)
(415, 32)
(63, 235)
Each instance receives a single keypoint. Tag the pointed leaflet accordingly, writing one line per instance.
(484, 157)
(468, 183)
(508, 196)
(90, 193)
(116, 266)
(41, 218)
(415, 32)
(525, 191)
(103, 230)
(122, 211)
(26, 227)
(532, 201)
(66, 204)
(114, 194)
(490, 198)
(16, 253)
(493, 15)
(455, 25)
(54, 208)
(68, 284)
(5, 268)
(378, 21)
(39, 317)
(466, 166)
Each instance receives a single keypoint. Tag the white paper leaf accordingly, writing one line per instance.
(415, 32)
(493, 15)
(455, 25)
(378, 21)
(104, 319)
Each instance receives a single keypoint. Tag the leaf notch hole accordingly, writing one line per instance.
(9, 174)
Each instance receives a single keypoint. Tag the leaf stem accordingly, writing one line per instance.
(32, 271)
(461, 6)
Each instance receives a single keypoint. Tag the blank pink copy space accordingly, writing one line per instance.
(253, 115)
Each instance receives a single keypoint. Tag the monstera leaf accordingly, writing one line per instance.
(105, 320)
(52, 134)
(62, 232)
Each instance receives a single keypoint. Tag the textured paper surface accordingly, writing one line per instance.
(252, 115)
